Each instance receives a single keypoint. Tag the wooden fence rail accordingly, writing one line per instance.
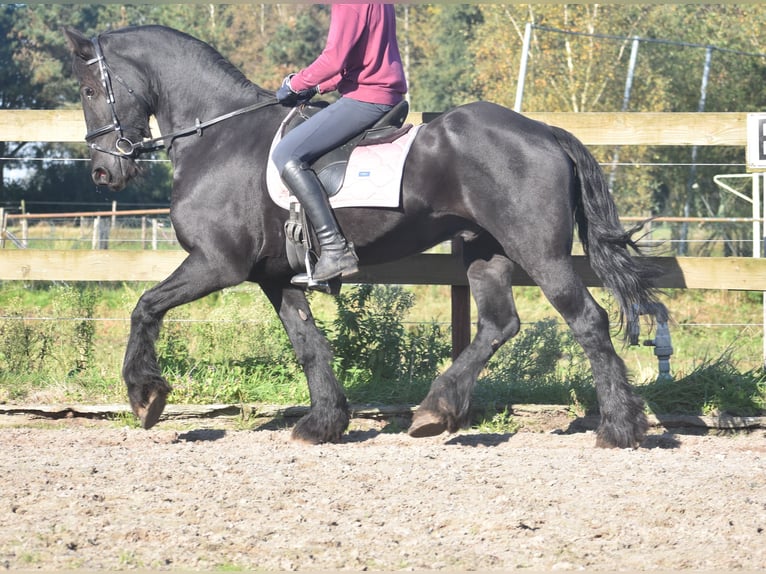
(730, 273)
(619, 128)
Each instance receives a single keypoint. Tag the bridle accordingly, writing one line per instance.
(123, 146)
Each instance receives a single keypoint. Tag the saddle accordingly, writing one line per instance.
(331, 170)
(331, 167)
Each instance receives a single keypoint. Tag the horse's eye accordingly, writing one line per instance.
(89, 92)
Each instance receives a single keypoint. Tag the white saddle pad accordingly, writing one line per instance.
(373, 175)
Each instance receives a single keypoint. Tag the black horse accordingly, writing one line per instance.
(511, 187)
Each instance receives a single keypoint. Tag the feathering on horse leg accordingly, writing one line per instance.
(193, 279)
(147, 388)
(623, 422)
(329, 417)
(448, 403)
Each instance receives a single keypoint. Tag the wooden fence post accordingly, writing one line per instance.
(94, 238)
(25, 232)
(100, 233)
(461, 308)
(155, 232)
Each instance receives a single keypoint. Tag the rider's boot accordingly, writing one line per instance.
(337, 257)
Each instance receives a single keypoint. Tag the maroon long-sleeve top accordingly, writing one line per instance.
(361, 57)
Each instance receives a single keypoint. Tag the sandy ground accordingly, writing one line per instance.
(94, 495)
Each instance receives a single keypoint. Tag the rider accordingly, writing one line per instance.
(361, 61)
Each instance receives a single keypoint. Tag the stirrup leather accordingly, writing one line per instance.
(301, 255)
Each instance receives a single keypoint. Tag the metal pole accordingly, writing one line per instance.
(625, 102)
(631, 73)
(756, 176)
(692, 184)
(757, 237)
(523, 67)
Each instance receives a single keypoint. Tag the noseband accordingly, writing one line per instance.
(123, 146)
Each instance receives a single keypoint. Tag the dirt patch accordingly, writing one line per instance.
(85, 494)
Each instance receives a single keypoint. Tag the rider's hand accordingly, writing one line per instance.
(289, 97)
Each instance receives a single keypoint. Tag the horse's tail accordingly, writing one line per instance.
(631, 279)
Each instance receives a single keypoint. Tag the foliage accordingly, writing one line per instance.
(57, 345)
(498, 423)
(375, 351)
(715, 387)
(543, 362)
(55, 349)
(445, 75)
(239, 354)
(452, 53)
(299, 41)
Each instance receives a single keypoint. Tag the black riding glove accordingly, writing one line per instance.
(289, 97)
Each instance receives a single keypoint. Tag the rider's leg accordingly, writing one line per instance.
(337, 255)
(331, 127)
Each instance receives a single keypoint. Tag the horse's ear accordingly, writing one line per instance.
(80, 45)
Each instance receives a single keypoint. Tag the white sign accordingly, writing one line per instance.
(756, 141)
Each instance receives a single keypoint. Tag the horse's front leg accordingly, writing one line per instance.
(328, 418)
(194, 278)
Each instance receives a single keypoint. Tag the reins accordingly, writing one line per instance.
(124, 147)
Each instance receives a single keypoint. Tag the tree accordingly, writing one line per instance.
(443, 76)
(453, 54)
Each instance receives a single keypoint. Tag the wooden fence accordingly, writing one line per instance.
(679, 129)
(625, 128)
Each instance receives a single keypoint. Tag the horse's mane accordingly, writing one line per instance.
(202, 51)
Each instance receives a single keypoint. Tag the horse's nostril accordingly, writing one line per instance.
(100, 176)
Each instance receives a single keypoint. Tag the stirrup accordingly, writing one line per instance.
(307, 281)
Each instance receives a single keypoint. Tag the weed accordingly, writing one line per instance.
(227, 567)
(126, 419)
(542, 364)
(499, 423)
(230, 347)
(128, 559)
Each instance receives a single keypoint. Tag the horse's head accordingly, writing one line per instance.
(116, 117)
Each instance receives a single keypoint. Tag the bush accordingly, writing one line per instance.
(378, 358)
(542, 364)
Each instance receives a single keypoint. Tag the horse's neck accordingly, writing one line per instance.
(185, 95)
(197, 100)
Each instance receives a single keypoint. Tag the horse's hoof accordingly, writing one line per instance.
(426, 423)
(312, 441)
(317, 429)
(150, 412)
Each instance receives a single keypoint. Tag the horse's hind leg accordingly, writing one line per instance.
(623, 422)
(328, 417)
(447, 405)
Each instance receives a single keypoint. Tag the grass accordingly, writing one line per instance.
(714, 388)
(64, 343)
